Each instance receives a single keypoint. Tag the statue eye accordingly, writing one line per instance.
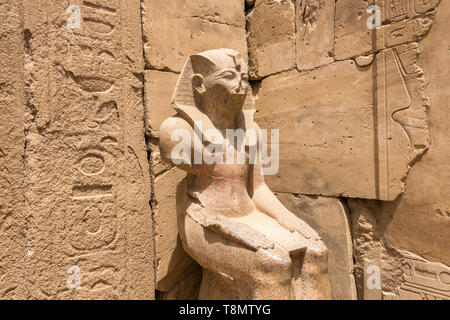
(244, 77)
(227, 75)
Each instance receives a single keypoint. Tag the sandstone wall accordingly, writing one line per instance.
(74, 160)
(410, 235)
(172, 31)
(12, 141)
(361, 115)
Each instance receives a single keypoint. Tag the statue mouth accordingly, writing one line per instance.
(238, 92)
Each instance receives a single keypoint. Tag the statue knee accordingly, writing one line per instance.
(322, 250)
(317, 255)
(274, 264)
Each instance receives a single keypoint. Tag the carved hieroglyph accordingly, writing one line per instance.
(249, 245)
(421, 280)
(364, 118)
(403, 21)
(419, 220)
(87, 170)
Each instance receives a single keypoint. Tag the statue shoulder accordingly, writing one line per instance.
(174, 126)
(172, 132)
(173, 123)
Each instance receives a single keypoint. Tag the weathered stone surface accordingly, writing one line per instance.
(174, 268)
(353, 38)
(12, 109)
(176, 28)
(404, 275)
(368, 227)
(421, 219)
(404, 21)
(158, 92)
(329, 217)
(421, 280)
(355, 130)
(87, 176)
(362, 114)
(185, 289)
(314, 33)
(418, 221)
(271, 33)
(172, 260)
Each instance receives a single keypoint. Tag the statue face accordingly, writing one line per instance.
(227, 87)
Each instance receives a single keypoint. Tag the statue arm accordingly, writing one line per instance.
(238, 232)
(266, 201)
(176, 142)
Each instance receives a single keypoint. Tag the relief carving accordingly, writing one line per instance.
(401, 100)
(422, 280)
(422, 6)
(401, 9)
(403, 21)
(90, 79)
(398, 9)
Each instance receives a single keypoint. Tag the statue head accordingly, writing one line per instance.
(214, 81)
(220, 80)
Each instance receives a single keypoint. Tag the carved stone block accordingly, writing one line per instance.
(329, 217)
(314, 33)
(334, 129)
(271, 33)
(403, 21)
(86, 165)
(176, 28)
(158, 92)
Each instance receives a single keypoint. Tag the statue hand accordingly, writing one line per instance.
(293, 223)
(239, 232)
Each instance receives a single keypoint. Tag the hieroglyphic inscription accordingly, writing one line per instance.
(86, 100)
(92, 66)
(423, 280)
(403, 21)
(400, 9)
(407, 20)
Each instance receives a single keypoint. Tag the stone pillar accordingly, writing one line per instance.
(87, 175)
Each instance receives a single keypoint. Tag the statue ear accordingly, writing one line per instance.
(198, 83)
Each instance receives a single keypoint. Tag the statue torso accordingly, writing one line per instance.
(221, 187)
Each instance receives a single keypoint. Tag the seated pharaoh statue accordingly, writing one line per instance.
(248, 244)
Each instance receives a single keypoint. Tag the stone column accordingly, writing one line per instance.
(87, 176)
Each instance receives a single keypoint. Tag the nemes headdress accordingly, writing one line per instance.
(205, 63)
(210, 61)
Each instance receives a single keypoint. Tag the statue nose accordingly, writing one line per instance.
(240, 84)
